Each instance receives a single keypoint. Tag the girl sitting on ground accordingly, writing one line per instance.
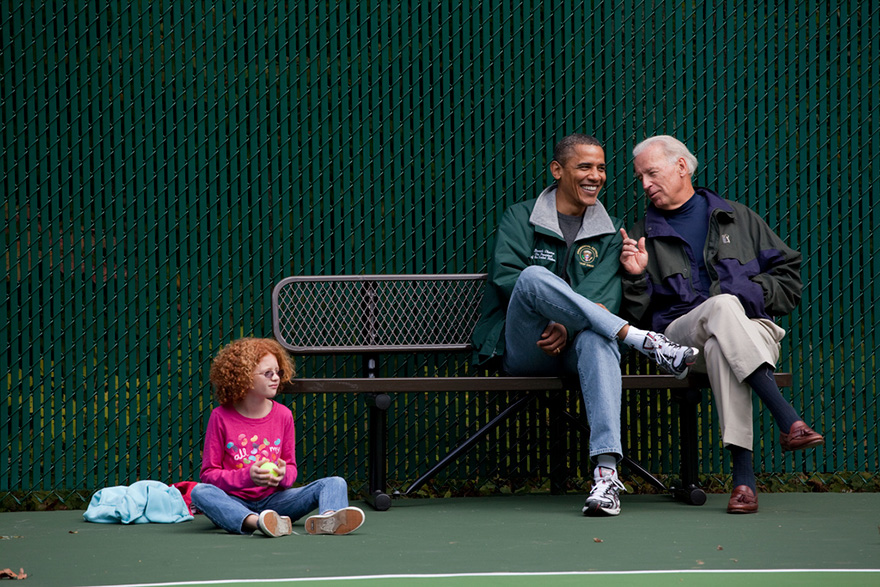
(249, 457)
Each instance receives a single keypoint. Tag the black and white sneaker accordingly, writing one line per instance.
(672, 357)
(604, 500)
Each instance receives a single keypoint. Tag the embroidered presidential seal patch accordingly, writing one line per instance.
(587, 255)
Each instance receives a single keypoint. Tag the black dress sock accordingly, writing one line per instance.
(743, 470)
(764, 385)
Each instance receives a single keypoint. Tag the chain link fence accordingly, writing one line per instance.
(164, 164)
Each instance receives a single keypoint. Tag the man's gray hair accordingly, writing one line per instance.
(672, 148)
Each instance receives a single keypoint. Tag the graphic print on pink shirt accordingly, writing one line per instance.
(247, 451)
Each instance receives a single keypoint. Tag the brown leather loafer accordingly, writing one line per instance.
(742, 501)
(800, 437)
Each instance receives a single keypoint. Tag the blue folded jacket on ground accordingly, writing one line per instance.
(140, 503)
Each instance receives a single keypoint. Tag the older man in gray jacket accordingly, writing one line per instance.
(709, 273)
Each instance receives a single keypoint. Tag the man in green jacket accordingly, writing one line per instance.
(554, 281)
(710, 273)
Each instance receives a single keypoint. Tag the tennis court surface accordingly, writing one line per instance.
(796, 539)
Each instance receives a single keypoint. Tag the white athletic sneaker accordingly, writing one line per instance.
(340, 522)
(670, 356)
(273, 525)
(603, 498)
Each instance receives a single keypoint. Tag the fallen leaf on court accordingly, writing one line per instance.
(9, 574)
(9, 537)
(720, 547)
(598, 540)
(73, 531)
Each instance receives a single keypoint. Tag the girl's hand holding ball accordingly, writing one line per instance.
(267, 473)
(272, 468)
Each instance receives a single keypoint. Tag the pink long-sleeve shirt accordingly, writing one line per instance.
(233, 443)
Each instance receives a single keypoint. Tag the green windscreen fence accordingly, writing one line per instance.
(163, 164)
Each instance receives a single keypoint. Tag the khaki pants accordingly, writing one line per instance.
(732, 346)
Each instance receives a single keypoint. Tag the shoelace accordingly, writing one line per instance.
(604, 484)
(676, 361)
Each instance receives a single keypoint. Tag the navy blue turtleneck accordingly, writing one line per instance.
(691, 221)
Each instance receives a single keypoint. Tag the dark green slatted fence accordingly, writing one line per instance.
(163, 164)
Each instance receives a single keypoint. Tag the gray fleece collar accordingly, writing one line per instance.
(596, 220)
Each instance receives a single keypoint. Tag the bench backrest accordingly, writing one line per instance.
(376, 313)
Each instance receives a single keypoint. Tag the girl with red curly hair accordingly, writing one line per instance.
(249, 457)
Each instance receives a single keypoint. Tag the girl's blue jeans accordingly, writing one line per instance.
(229, 512)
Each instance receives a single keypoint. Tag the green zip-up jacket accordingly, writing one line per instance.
(529, 234)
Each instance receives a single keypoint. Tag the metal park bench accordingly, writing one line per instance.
(369, 315)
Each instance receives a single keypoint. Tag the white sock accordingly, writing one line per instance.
(607, 461)
(638, 339)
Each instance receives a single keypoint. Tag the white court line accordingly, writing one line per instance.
(498, 574)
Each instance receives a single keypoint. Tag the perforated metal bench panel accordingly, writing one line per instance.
(376, 313)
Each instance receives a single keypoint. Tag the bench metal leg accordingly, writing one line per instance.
(638, 469)
(378, 497)
(559, 469)
(513, 408)
(379, 403)
(689, 491)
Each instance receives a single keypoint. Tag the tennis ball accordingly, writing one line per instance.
(272, 468)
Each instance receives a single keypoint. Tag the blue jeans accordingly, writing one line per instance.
(540, 297)
(229, 512)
